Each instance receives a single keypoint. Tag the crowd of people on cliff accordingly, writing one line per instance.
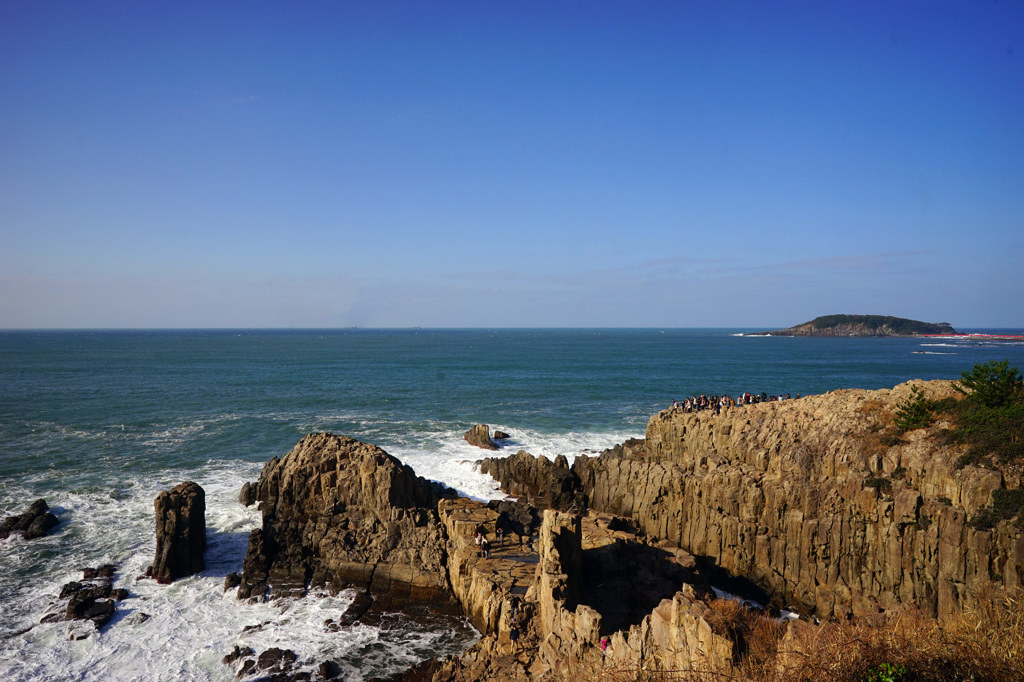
(716, 403)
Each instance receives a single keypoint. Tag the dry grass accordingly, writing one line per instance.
(980, 645)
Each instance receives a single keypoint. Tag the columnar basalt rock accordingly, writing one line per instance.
(543, 483)
(180, 532)
(806, 500)
(480, 436)
(337, 512)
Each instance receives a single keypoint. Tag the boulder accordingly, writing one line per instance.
(247, 496)
(500, 435)
(180, 533)
(34, 523)
(480, 436)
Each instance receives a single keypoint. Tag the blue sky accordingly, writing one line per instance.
(499, 163)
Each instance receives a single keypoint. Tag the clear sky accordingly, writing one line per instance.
(509, 163)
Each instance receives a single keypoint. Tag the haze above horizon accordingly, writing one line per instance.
(468, 164)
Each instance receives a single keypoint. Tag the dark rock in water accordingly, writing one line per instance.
(543, 483)
(237, 653)
(276, 660)
(36, 522)
(91, 599)
(359, 606)
(232, 580)
(501, 435)
(480, 436)
(247, 668)
(136, 618)
(329, 670)
(247, 496)
(180, 532)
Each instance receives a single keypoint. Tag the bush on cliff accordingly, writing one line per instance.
(913, 413)
(990, 419)
(992, 384)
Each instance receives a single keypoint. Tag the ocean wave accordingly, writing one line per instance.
(193, 623)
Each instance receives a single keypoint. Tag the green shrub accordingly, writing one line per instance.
(886, 672)
(944, 501)
(882, 485)
(1006, 504)
(913, 413)
(899, 473)
(992, 384)
(990, 420)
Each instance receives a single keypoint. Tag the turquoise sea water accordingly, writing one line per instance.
(98, 422)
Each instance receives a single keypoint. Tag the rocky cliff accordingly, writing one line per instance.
(340, 512)
(812, 503)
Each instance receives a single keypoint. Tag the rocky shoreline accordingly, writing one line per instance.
(606, 565)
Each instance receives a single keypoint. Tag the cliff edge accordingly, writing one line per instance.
(818, 505)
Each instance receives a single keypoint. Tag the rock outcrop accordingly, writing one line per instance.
(480, 436)
(180, 533)
(34, 523)
(810, 502)
(89, 603)
(338, 512)
(542, 483)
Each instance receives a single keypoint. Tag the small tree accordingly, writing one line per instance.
(913, 413)
(992, 384)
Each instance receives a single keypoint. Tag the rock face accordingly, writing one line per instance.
(480, 436)
(180, 532)
(36, 522)
(804, 499)
(542, 483)
(863, 325)
(338, 512)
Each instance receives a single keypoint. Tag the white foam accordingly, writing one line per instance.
(193, 623)
(448, 458)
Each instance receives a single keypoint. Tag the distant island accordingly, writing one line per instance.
(863, 325)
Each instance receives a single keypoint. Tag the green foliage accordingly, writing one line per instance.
(992, 384)
(1006, 504)
(944, 501)
(899, 473)
(895, 325)
(913, 413)
(886, 672)
(882, 485)
(990, 420)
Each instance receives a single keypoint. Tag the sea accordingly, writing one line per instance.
(97, 423)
